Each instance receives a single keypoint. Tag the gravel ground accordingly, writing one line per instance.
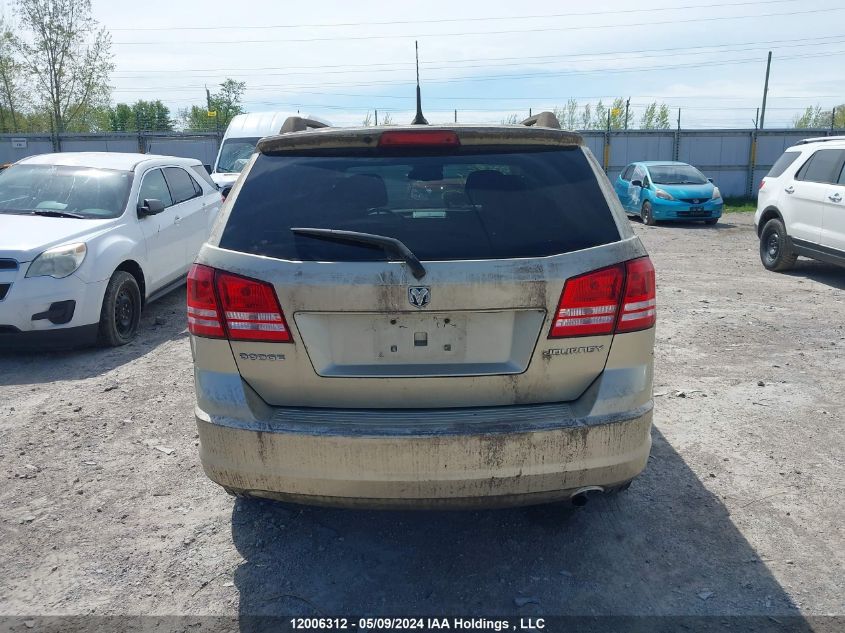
(104, 508)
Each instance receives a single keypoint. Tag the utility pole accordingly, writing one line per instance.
(456, 115)
(765, 90)
(627, 105)
(216, 114)
(376, 111)
(679, 119)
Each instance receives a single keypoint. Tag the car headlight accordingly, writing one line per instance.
(58, 262)
(663, 195)
(716, 193)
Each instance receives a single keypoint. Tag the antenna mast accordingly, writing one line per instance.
(419, 119)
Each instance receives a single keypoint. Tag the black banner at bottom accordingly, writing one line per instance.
(428, 623)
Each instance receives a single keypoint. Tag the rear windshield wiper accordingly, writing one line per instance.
(52, 213)
(389, 244)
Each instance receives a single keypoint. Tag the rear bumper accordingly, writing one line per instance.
(423, 458)
(498, 464)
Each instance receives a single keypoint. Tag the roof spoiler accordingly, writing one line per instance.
(301, 124)
(543, 119)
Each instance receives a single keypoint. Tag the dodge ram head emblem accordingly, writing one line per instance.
(419, 296)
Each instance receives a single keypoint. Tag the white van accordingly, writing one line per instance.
(240, 139)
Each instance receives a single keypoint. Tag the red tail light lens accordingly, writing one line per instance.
(251, 309)
(639, 306)
(589, 303)
(223, 305)
(762, 183)
(419, 138)
(203, 312)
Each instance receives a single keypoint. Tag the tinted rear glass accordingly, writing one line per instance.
(182, 186)
(490, 205)
(782, 163)
(823, 166)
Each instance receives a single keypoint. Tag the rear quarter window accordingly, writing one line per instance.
(463, 205)
(781, 164)
(823, 166)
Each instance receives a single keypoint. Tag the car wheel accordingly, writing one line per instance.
(647, 214)
(775, 250)
(121, 311)
(711, 221)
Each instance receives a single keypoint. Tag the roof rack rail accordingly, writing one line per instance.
(543, 119)
(820, 139)
(300, 124)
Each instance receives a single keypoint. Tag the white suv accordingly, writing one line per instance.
(88, 238)
(801, 205)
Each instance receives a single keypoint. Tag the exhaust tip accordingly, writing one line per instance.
(581, 496)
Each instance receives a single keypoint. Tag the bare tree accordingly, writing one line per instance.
(68, 54)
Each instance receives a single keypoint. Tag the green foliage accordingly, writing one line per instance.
(662, 122)
(68, 55)
(152, 116)
(816, 117)
(655, 117)
(226, 102)
(13, 94)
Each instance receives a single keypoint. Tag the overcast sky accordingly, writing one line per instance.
(339, 59)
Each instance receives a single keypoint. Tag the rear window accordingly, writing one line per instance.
(782, 163)
(476, 205)
(182, 186)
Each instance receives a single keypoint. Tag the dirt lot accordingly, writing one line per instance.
(104, 508)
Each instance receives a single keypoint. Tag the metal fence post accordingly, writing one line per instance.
(752, 163)
(676, 144)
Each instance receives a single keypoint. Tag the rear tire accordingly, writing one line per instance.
(775, 249)
(647, 214)
(121, 311)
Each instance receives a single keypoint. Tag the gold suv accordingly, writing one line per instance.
(423, 316)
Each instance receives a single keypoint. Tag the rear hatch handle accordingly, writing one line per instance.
(389, 244)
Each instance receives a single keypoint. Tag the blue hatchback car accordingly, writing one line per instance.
(668, 190)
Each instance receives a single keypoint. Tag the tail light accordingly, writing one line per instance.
(619, 298)
(639, 305)
(762, 183)
(203, 312)
(223, 305)
(589, 303)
